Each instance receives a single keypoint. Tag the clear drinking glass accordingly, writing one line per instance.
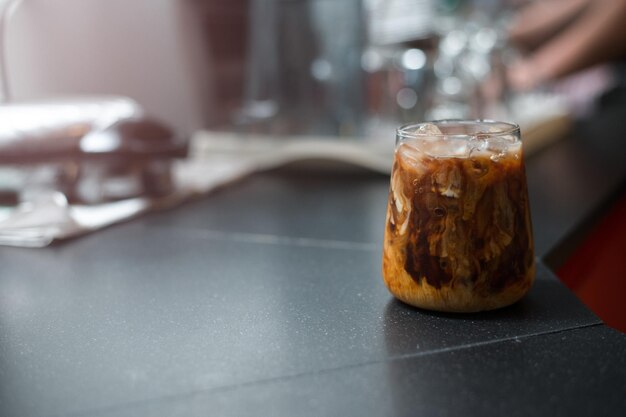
(458, 234)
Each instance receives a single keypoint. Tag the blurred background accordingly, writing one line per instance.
(322, 67)
(100, 97)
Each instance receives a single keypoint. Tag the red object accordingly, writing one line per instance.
(596, 271)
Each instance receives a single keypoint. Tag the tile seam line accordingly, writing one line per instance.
(271, 239)
(227, 388)
(400, 357)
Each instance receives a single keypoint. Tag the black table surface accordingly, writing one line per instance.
(265, 298)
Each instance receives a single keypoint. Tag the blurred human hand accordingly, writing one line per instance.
(564, 36)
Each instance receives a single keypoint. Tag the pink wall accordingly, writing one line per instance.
(149, 50)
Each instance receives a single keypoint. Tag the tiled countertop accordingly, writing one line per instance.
(265, 298)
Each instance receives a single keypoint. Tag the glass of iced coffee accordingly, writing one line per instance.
(458, 235)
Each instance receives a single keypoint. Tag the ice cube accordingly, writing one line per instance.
(448, 181)
(479, 163)
(432, 142)
(445, 147)
(428, 129)
(410, 153)
(497, 148)
(457, 147)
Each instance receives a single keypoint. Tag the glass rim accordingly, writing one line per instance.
(508, 128)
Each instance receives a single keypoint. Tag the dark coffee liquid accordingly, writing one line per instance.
(461, 220)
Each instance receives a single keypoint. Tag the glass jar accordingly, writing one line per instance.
(458, 234)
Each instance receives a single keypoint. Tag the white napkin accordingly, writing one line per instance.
(37, 223)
